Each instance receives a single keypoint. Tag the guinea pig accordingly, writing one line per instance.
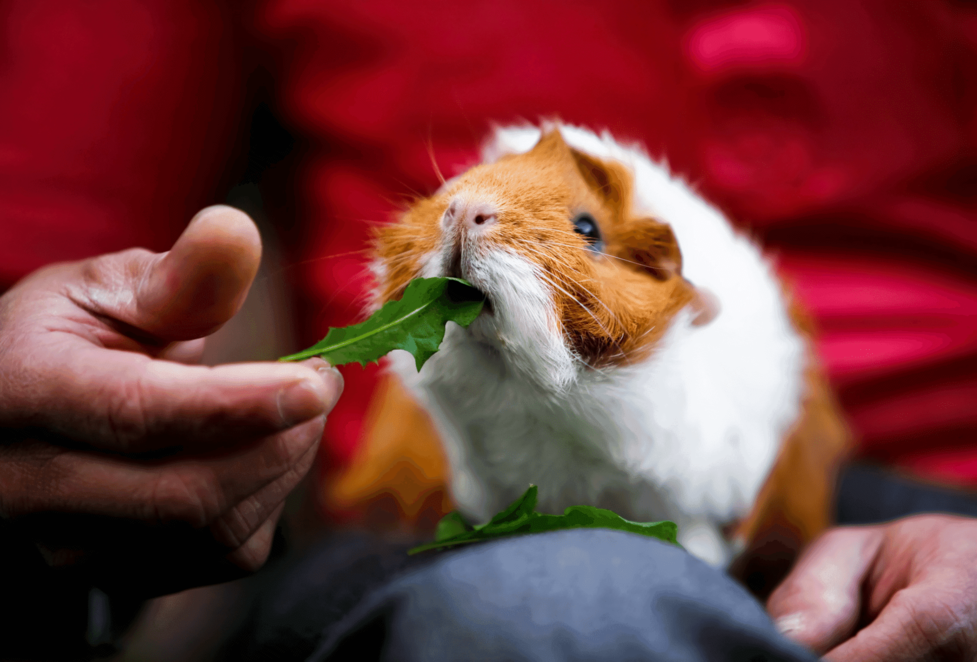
(634, 353)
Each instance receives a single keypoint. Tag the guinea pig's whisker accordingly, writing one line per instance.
(588, 311)
(613, 257)
(578, 284)
(400, 260)
(646, 333)
(569, 233)
(333, 255)
(598, 300)
(312, 260)
(345, 287)
(434, 162)
(414, 195)
(636, 341)
(540, 250)
(613, 316)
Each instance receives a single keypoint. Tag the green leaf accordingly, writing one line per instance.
(451, 525)
(415, 323)
(519, 509)
(521, 518)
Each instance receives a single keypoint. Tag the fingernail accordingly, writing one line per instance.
(330, 374)
(790, 625)
(301, 401)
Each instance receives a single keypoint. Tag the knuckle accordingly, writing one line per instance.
(234, 527)
(294, 452)
(298, 470)
(95, 275)
(253, 553)
(96, 287)
(125, 411)
(282, 451)
(106, 269)
(184, 497)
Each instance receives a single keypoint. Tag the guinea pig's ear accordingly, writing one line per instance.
(609, 181)
(705, 306)
(652, 245)
(552, 147)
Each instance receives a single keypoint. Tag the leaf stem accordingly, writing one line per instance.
(312, 351)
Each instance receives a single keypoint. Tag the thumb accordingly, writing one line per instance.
(819, 602)
(193, 289)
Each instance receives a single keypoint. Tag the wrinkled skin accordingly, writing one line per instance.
(899, 592)
(119, 459)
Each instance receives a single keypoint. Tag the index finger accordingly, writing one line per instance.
(127, 402)
(818, 603)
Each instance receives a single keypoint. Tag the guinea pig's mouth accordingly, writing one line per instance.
(460, 293)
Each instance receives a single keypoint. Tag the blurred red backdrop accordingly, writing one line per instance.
(841, 134)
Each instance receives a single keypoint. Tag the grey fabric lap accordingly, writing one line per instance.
(571, 595)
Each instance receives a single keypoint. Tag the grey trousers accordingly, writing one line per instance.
(569, 595)
(586, 594)
(572, 595)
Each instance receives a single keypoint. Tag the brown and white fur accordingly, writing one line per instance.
(663, 377)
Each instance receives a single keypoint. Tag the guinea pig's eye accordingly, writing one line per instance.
(585, 224)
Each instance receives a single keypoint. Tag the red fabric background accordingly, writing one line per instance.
(842, 134)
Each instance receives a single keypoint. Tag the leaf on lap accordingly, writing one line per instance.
(521, 518)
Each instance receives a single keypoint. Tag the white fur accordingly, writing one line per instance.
(689, 434)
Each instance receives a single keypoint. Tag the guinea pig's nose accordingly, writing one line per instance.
(470, 214)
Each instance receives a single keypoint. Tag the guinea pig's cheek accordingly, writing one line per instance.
(519, 299)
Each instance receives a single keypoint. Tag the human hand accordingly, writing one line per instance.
(898, 592)
(118, 458)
